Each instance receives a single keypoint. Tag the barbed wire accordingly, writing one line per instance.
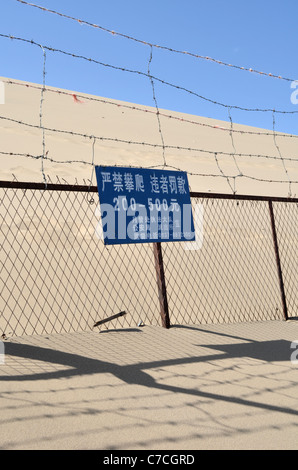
(234, 150)
(146, 144)
(280, 155)
(146, 110)
(157, 112)
(158, 46)
(224, 175)
(191, 173)
(144, 74)
(173, 167)
(91, 200)
(156, 106)
(48, 158)
(212, 175)
(41, 115)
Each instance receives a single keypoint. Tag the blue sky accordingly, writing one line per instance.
(259, 34)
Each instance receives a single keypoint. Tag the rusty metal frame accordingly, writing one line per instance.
(93, 189)
(278, 263)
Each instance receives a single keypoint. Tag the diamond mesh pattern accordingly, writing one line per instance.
(233, 277)
(57, 276)
(286, 220)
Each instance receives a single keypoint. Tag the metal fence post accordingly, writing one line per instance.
(279, 270)
(161, 284)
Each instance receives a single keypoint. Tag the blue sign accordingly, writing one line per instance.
(141, 205)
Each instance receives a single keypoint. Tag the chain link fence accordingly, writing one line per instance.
(286, 217)
(233, 277)
(56, 274)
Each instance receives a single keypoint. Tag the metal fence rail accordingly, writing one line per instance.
(57, 276)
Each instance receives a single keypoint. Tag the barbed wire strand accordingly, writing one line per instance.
(234, 149)
(144, 74)
(147, 110)
(224, 175)
(279, 152)
(41, 126)
(152, 78)
(169, 49)
(156, 106)
(84, 162)
(91, 200)
(212, 175)
(191, 173)
(41, 116)
(146, 144)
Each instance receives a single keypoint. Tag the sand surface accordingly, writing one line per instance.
(190, 387)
